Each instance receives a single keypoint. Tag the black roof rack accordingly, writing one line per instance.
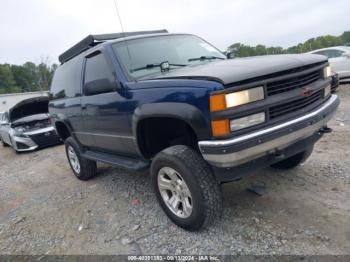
(93, 40)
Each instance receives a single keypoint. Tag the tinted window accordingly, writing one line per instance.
(97, 68)
(320, 53)
(330, 53)
(66, 81)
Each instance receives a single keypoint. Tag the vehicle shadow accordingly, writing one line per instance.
(241, 204)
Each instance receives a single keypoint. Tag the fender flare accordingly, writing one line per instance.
(181, 111)
(65, 123)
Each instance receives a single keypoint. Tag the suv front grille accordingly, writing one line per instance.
(289, 84)
(295, 105)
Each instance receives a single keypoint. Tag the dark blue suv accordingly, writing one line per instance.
(176, 104)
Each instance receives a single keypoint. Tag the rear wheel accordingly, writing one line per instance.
(293, 161)
(186, 188)
(83, 168)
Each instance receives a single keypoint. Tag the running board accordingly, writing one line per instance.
(120, 161)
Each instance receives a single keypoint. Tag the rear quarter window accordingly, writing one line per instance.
(66, 82)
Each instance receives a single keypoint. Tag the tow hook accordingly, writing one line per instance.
(326, 129)
(279, 156)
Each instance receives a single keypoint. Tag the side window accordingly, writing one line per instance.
(67, 79)
(99, 77)
(333, 53)
(330, 53)
(320, 53)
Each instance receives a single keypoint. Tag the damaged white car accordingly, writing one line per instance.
(26, 126)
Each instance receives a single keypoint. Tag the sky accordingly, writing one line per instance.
(33, 30)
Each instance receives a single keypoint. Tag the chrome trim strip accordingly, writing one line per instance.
(232, 141)
(107, 135)
(270, 147)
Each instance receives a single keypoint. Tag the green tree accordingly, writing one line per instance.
(25, 76)
(241, 50)
(7, 81)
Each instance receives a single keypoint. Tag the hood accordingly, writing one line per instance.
(238, 69)
(28, 107)
(32, 118)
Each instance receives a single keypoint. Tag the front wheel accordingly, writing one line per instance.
(293, 161)
(3, 143)
(83, 168)
(186, 188)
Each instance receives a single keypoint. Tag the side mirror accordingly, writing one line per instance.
(346, 55)
(99, 86)
(230, 55)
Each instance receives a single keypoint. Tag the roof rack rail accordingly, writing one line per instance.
(93, 40)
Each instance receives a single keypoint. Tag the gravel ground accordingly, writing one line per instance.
(44, 209)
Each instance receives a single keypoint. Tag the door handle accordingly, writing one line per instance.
(83, 107)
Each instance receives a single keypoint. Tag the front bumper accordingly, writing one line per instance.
(47, 136)
(245, 148)
(22, 144)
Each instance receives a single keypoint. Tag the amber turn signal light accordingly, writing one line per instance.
(220, 127)
(217, 102)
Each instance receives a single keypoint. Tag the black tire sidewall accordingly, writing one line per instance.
(88, 167)
(70, 142)
(197, 217)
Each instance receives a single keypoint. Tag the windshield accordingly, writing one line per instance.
(144, 56)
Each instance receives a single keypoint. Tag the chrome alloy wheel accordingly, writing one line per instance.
(73, 159)
(175, 192)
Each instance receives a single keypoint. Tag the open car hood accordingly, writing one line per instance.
(238, 69)
(28, 107)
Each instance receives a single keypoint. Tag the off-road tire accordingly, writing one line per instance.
(293, 161)
(88, 168)
(205, 190)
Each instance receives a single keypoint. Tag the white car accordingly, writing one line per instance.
(339, 59)
(26, 126)
(1, 117)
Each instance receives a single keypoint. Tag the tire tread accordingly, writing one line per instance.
(211, 190)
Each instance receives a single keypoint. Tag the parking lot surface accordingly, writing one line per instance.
(44, 209)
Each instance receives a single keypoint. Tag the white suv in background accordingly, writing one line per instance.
(1, 119)
(339, 59)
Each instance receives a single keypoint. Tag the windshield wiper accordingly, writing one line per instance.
(149, 66)
(205, 58)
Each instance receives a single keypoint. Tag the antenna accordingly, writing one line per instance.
(122, 28)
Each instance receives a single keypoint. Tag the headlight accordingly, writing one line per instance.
(223, 101)
(20, 129)
(327, 72)
(247, 121)
(327, 90)
(19, 133)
